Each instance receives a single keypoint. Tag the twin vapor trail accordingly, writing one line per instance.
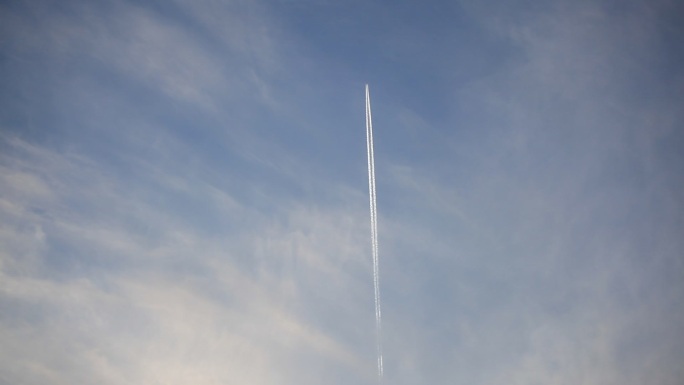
(374, 232)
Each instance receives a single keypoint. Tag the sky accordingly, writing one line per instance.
(184, 192)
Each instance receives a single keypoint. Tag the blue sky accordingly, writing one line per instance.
(184, 198)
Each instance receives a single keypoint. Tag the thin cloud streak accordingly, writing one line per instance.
(374, 233)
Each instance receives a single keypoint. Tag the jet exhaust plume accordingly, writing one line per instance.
(374, 232)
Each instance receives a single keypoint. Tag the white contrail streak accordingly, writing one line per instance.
(374, 232)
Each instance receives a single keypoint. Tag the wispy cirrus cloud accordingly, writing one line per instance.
(132, 290)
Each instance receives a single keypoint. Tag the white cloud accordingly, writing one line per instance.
(174, 304)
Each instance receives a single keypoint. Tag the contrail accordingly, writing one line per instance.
(374, 232)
